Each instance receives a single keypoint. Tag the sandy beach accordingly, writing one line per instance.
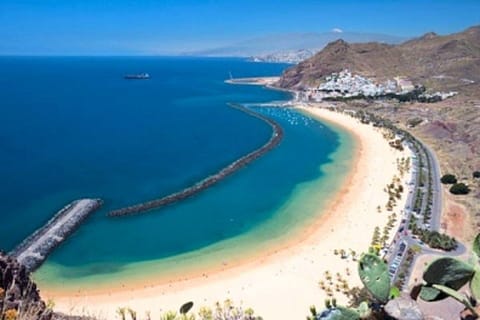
(283, 283)
(256, 81)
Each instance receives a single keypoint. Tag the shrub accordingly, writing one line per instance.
(459, 188)
(476, 174)
(10, 314)
(414, 122)
(448, 179)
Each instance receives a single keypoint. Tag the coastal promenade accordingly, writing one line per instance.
(188, 192)
(33, 251)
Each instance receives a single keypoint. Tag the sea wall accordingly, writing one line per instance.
(33, 251)
(274, 140)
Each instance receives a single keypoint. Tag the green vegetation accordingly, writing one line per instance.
(445, 271)
(435, 287)
(476, 174)
(330, 285)
(435, 239)
(333, 312)
(186, 307)
(445, 276)
(394, 190)
(225, 311)
(373, 272)
(403, 270)
(442, 278)
(448, 179)
(459, 188)
(413, 122)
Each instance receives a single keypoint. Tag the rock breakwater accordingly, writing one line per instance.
(33, 251)
(209, 181)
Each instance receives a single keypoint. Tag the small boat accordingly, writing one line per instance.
(139, 76)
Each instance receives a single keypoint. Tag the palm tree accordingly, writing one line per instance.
(122, 312)
(353, 254)
(322, 285)
(133, 314)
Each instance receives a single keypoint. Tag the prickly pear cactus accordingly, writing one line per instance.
(186, 307)
(364, 310)
(475, 284)
(448, 272)
(374, 274)
(457, 296)
(339, 313)
(476, 245)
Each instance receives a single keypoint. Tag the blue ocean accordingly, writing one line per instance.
(73, 127)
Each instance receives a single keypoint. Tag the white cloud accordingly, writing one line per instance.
(337, 30)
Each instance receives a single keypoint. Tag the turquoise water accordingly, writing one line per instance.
(72, 127)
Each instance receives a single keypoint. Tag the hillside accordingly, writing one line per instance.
(449, 62)
(451, 127)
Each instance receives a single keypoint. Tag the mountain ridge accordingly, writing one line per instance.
(430, 59)
(280, 43)
(450, 127)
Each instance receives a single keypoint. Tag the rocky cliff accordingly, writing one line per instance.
(19, 296)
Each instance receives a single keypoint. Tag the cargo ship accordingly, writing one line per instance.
(139, 76)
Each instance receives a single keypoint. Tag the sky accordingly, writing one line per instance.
(144, 27)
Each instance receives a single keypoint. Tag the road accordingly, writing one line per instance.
(436, 188)
(396, 256)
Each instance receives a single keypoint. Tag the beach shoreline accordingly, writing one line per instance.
(254, 81)
(269, 274)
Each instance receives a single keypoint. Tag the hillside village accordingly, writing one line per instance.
(345, 85)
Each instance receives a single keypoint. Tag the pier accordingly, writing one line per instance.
(33, 251)
(274, 140)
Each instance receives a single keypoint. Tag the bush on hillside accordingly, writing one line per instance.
(459, 188)
(448, 179)
(476, 174)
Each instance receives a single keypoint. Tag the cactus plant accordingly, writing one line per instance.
(186, 307)
(338, 313)
(364, 310)
(374, 275)
(475, 284)
(448, 272)
(457, 296)
(476, 245)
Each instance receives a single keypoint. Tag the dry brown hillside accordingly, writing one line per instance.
(440, 62)
(450, 127)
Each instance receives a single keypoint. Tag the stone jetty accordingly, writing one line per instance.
(209, 181)
(33, 251)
